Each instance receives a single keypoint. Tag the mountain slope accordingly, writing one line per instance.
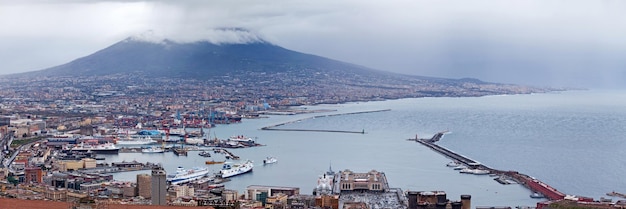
(195, 60)
(236, 72)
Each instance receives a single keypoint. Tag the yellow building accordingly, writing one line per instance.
(190, 203)
(89, 163)
(230, 195)
(66, 165)
(327, 201)
(4, 172)
(275, 200)
(183, 191)
(55, 194)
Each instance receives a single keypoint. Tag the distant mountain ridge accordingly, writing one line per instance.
(196, 60)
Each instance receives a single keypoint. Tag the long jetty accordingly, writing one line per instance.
(450, 154)
(274, 127)
(529, 182)
(315, 130)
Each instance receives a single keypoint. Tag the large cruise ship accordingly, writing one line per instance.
(241, 138)
(107, 148)
(183, 175)
(236, 169)
(152, 150)
(135, 140)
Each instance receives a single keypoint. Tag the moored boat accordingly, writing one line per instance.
(269, 160)
(241, 138)
(460, 167)
(236, 169)
(616, 194)
(204, 154)
(210, 162)
(177, 132)
(474, 171)
(171, 139)
(152, 150)
(453, 164)
(536, 195)
(136, 140)
(194, 140)
(107, 148)
(186, 175)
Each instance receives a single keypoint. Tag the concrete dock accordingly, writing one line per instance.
(229, 155)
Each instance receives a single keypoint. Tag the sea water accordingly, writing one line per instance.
(572, 140)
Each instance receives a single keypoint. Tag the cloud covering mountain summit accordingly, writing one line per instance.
(215, 36)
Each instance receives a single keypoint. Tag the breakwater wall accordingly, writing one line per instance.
(275, 127)
(452, 155)
(533, 184)
(314, 130)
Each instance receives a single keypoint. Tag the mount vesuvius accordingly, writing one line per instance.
(201, 59)
(259, 64)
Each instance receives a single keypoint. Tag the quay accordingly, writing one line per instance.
(529, 182)
(229, 155)
(129, 150)
(117, 167)
(274, 127)
(179, 151)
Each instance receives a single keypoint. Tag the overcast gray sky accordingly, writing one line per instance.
(539, 42)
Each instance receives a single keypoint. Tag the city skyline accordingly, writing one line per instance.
(572, 44)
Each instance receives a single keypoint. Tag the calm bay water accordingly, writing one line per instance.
(572, 140)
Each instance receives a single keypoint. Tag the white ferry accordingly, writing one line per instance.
(152, 150)
(182, 175)
(241, 138)
(194, 140)
(236, 169)
(136, 140)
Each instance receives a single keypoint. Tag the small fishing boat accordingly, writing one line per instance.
(204, 154)
(270, 160)
(210, 162)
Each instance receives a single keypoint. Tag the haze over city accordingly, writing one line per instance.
(555, 43)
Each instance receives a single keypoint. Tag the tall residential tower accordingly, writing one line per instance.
(159, 186)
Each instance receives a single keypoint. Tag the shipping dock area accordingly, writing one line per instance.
(529, 182)
(117, 167)
(229, 155)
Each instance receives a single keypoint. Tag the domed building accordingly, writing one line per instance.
(325, 183)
